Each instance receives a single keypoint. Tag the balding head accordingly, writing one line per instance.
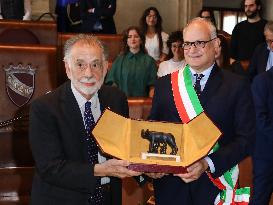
(200, 44)
(210, 26)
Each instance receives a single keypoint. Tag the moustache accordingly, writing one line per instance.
(88, 80)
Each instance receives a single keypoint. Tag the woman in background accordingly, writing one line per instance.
(175, 55)
(207, 14)
(151, 26)
(134, 71)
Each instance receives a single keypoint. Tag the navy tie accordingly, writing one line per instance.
(92, 151)
(197, 85)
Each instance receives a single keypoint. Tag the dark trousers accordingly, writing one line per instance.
(107, 196)
(263, 182)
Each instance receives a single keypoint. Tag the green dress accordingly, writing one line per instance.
(134, 74)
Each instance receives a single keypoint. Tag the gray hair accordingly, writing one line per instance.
(269, 26)
(86, 39)
(212, 28)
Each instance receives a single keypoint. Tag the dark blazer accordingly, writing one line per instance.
(259, 60)
(262, 89)
(227, 100)
(102, 13)
(63, 175)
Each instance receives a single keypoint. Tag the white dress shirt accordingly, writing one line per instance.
(152, 45)
(269, 60)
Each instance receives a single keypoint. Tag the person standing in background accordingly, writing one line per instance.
(97, 16)
(15, 9)
(207, 14)
(68, 15)
(156, 39)
(246, 35)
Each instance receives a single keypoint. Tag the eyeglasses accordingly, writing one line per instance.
(196, 44)
(82, 65)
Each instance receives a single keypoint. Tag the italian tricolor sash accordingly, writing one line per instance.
(188, 107)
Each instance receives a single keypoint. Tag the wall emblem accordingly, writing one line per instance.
(20, 83)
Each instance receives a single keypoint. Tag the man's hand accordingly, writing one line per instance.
(194, 171)
(155, 175)
(115, 168)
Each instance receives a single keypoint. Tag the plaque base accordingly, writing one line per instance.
(145, 155)
(141, 167)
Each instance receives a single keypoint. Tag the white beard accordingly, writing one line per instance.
(87, 90)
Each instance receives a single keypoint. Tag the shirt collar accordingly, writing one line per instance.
(131, 55)
(82, 100)
(206, 72)
(268, 48)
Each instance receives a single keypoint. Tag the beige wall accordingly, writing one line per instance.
(39, 7)
(129, 12)
(175, 13)
(268, 9)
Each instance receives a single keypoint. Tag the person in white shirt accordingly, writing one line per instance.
(156, 39)
(176, 57)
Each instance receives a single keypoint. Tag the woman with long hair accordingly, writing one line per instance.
(134, 71)
(151, 26)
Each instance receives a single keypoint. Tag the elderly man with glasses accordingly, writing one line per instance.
(225, 98)
(70, 167)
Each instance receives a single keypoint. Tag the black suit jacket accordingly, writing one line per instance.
(262, 88)
(103, 12)
(63, 175)
(259, 60)
(227, 100)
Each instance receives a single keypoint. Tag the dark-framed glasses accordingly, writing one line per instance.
(82, 65)
(197, 44)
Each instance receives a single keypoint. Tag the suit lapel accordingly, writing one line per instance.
(264, 59)
(103, 103)
(73, 116)
(211, 86)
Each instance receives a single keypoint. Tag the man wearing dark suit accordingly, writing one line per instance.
(97, 16)
(70, 169)
(226, 99)
(262, 89)
(262, 58)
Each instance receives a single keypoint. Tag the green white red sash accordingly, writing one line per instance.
(188, 107)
